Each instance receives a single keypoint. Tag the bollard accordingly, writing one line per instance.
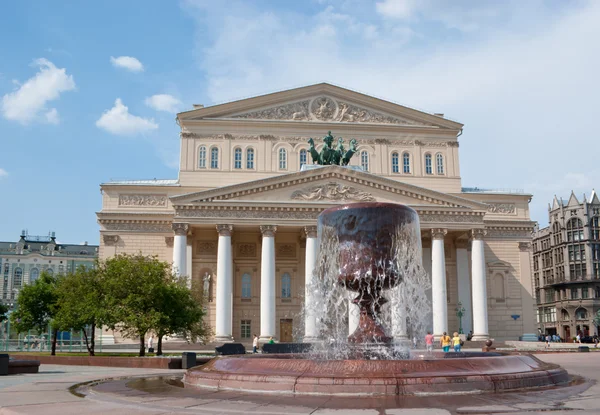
(188, 360)
(3, 364)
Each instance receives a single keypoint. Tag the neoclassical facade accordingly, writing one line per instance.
(241, 218)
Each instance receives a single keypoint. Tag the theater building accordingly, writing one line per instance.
(240, 219)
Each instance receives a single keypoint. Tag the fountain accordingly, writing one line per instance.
(373, 250)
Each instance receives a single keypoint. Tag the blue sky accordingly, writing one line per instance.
(521, 76)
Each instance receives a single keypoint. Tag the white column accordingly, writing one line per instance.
(438, 283)
(267, 283)
(224, 285)
(480, 318)
(427, 266)
(188, 265)
(527, 297)
(310, 263)
(353, 313)
(180, 248)
(399, 329)
(464, 284)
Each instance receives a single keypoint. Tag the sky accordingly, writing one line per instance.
(89, 90)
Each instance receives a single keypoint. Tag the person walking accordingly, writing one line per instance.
(445, 342)
(429, 339)
(414, 342)
(255, 344)
(456, 342)
(151, 344)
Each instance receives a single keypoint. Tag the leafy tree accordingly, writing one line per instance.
(3, 312)
(133, 283)
(82, 297)
(597, 319)
(179, 312)
(37, 306)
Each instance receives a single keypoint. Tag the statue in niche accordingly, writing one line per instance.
(206, 280)
(330, 156)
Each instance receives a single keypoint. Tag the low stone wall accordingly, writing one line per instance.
(135, 362)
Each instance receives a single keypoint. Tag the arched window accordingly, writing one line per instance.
(237, 160)
(202, 157)
(581, 314)
(246, 286)
(214, 158)
(439, 162)
(498, 286)
(34, 274)
(18, 277)
(395, 163)
(282, 159)
(428, 167)
(564, 315)
(574, 230)
(302, 157)
(250, 158)
(406, 163)
(364, 160)
(286, 286)
(50, 271)
(595, 228)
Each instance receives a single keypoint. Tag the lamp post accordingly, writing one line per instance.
(460, 312)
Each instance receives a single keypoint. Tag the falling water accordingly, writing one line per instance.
(407, 300)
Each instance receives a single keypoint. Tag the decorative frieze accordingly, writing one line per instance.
(169, 240)
(136, 226)
(268, 230)
(137, 200)
(286, 251)
(332, 191)
(448, 217)
(206, 248)
(509, 232)
(502, 208)
(110, 240)
(246, 250)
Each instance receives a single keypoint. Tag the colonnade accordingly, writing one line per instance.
(472, 291)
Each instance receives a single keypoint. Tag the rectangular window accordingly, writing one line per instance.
(246, 329)
(574, 293)
(549, 296)
(395, 164)
(302, 158)
(584, 293)
(250, 158)
(406, 163)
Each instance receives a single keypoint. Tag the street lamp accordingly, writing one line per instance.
(460, 312)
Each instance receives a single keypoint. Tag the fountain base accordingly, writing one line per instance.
(425, 374)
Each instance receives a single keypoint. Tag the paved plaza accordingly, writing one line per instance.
(133, 391)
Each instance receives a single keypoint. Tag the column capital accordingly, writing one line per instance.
(180, 228)
(310, 231)
(478, 234)
(268, 230)
(438, 234)
(224, 230)
(524, 246)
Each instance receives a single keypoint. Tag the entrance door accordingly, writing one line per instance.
(567, 337)
(285, 330)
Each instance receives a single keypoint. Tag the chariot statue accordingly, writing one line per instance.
(337, 156)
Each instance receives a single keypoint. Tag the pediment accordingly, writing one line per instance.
(321, 103)
(326, 185)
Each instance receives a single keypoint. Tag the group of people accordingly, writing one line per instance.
(445, 342)
(255, 343)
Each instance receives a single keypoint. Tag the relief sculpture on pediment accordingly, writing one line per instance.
(333, 191)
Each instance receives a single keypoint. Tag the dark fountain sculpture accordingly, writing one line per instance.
(368, 248)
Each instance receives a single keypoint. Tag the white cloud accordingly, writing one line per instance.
(28, 102)
(164, 102)
(3, 173)
(398, 9)
(127, 62)
(119, 121)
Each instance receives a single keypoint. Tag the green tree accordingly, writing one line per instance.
(37, 305)
(133, 283)
(180, 312)
(3, 312)
(82, 297)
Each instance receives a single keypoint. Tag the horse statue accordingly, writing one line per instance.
(350, 152)
(337, 156)
(313, 151)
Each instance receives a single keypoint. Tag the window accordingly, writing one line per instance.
(18, 277)
(428, 167)
(439, 162)
(498, 287)
(50, 271)
(595, 228)
(246, 329)
(286, 286)
(214, 158)
(246, 286)
(364, 160)
(584, 293)
(406, 163)
(574, 293)
(237, 159)
(302, 157)
(574, 230)
(564, 315)
(549, 315)
(395, 163)
(34, 274)
(597, 292)
(282, 159)
(549, 295)
(202, 157)
(581, 314)
(250, 158)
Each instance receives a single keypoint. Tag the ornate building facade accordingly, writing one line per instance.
(240, 219)
(566, 267)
